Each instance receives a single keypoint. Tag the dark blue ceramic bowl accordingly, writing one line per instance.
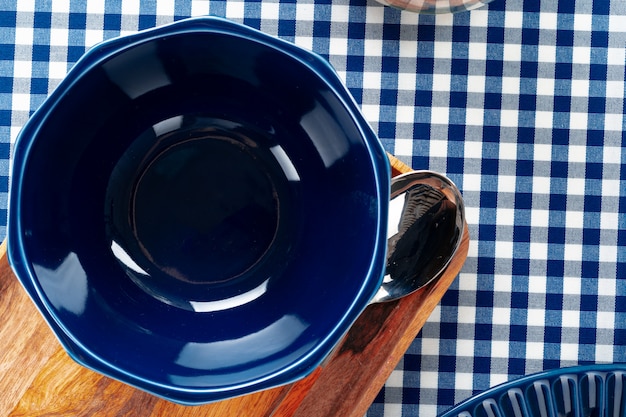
(199, 210)
(595, 390)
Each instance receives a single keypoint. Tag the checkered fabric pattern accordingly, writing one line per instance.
(521, 103)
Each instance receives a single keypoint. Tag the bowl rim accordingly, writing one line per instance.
(18, 258)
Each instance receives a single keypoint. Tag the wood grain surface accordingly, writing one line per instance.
(37, 377)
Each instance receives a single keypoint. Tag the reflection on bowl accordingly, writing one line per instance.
(199, 210)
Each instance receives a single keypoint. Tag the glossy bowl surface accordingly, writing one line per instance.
(597, 390)
(199, 210)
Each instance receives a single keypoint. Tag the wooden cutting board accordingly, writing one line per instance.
(37, 377)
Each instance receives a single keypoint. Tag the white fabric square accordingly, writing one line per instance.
(580, 88)
(438, 148)
(508, 151)
(467, 314)
(616, 56)
(442, 50)
(576, 186)
(477, 51)
(371, 112)
(25, 6)
(545, 86)
(407, 49)
(93, 37)
(20, 102)
(502, 283)
(505, 217)
(403, 147)
(546, 53)
(440, 115)
(607, 286)
(463, 381)
(305, 42)
(583, 22)
(617, 23)
(548, 20)
(441, 82)
(605, 352)
(541, 185)
(574, 220)
(572, 285)
(372, 79)
(605, 319)
(511, 85)
(577, 153)
(501, 316)
(235, 9)
(542, 152)
(543, 119)
(133, 7)
(338, 47)
(581, 55)
(474, 117)
(373, 47)
(506, 184)
(536, 317)
(269, 11)
(570, 319)
(539, 218)
(405, 114)
(60, 7)
(509, 118)
(614, 122)
(22, 68)
(471, 182)
(340, 13)
(24, 36)
(407, 81)
(396, 379)
(538, 250)
(428, 379)
(607, 253)
(513, 19)
(479, 18)
(95, 7)
(615, 89)
(609, 221)
(57, 70)
(473, 150)
(512, 52)
(534, 350)
(569, 352)
(59, 36)
(165, 8)
(476, 83)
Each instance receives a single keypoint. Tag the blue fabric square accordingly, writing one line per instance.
(77, 21)
(5, 117)
(147, 21)
(39, 86)
(7, 50)
(42, 20)
(41, 53)
(7, 18)
(597, 72)
(563, 70)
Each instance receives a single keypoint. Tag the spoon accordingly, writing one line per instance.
(425, 227)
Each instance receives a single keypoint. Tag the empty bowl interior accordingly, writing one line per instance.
(201, 210)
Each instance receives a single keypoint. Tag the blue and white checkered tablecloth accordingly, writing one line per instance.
(520, 103)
